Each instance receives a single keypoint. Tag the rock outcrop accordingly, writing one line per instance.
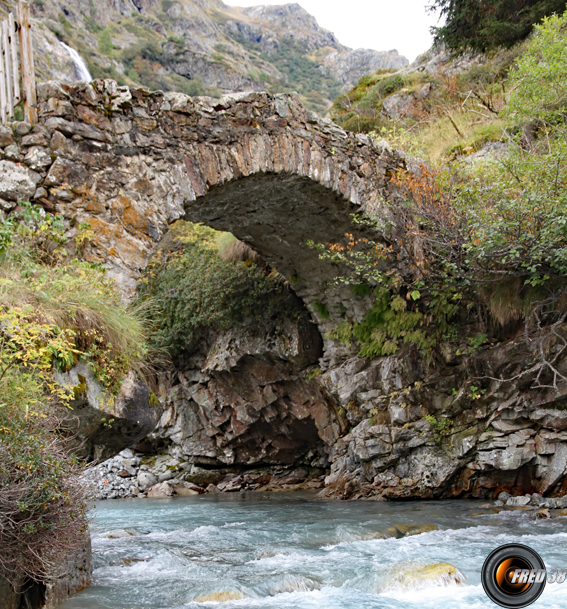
(72, 576)
(434, 433)
(98, 426)
(245, 398)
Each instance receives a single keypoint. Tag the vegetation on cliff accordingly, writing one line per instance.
(452, 109)
(438, 115)
(482, 246)
(55, 310)
(202, 279)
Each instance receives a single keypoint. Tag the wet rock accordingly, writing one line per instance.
(161, 490)
(185, 489)
(504, 496)
(120, 534)
(231, 485)
(518, 501)
(219, 597)
(407, 530)
(410, 577)
(542, 513)
(550, 503)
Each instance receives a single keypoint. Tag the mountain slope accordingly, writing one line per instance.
(200, 47)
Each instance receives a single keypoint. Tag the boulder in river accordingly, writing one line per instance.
(219, 597)
(405, 530)
(518, 501)
(411, 576)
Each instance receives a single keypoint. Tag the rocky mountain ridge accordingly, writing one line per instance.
(200, 47)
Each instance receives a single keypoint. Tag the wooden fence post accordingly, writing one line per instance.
(14, 53)
(26, 58)
(3, 100)
(8, 68)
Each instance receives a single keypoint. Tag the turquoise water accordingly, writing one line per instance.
(292, 551)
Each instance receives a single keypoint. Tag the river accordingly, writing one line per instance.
(292, 551)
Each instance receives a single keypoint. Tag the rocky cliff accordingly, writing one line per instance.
(200, 46)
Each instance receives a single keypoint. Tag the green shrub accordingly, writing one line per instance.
(67, 297)
(105, 42)
(538, 82)
(195, 289)
(486, 244)
(55, 310)
(389, 85)
(384, 325)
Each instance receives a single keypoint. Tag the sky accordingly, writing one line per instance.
(372, 24)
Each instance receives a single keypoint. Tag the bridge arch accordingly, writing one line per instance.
(131, 161)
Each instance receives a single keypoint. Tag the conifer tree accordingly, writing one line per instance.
(482, 25)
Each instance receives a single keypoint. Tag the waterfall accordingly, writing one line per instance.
(80, 66)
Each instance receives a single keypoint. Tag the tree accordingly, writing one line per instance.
(480, 25)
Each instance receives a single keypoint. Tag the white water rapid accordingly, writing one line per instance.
(81, 69)
(291, 551)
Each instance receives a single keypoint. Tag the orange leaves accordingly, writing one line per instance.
(424, 190)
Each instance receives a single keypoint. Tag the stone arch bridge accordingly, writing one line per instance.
(131, 161)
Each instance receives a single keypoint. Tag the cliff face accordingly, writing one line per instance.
(200, 47)
(246, 398)
(392, 427)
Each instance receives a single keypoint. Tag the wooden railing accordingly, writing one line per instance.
(11, 71)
